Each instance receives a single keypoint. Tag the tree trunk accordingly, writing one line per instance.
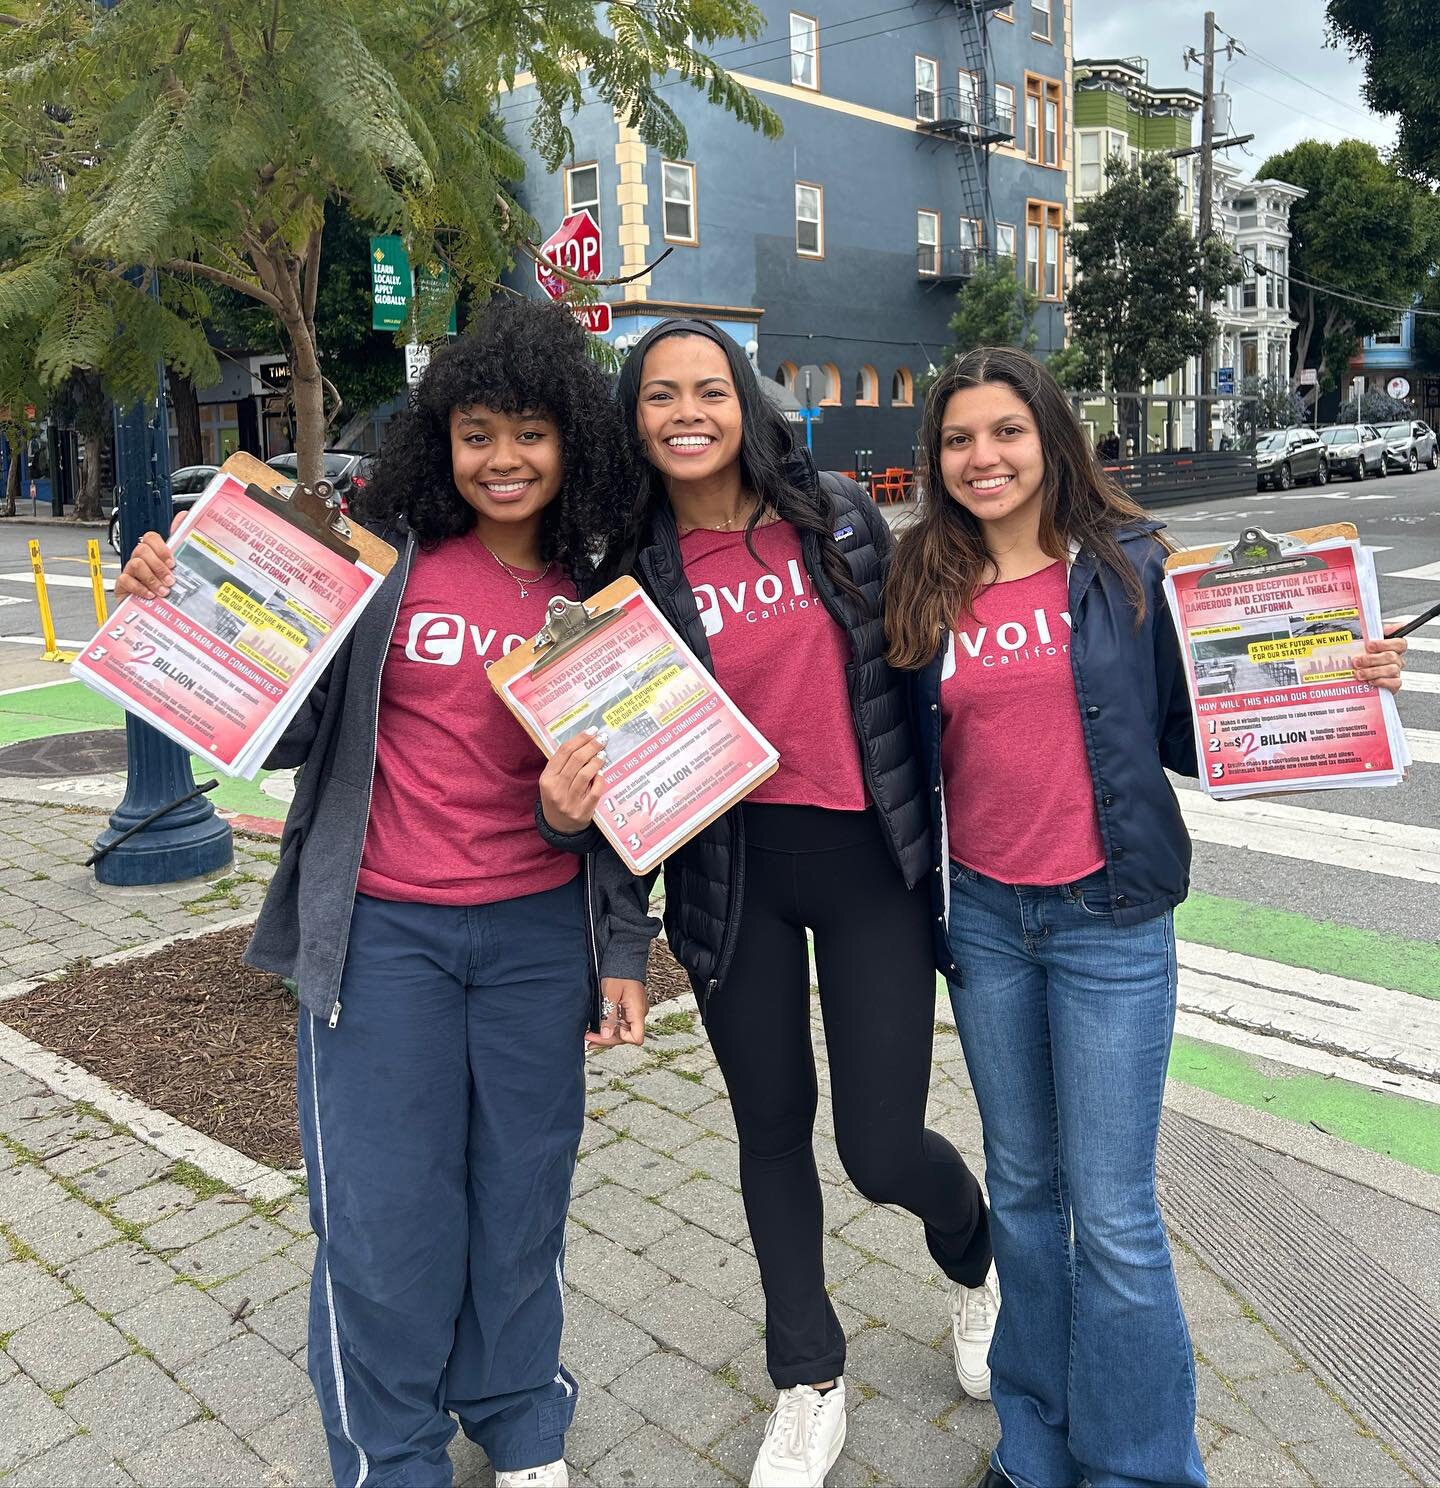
(87, 498)
(186, 403)
(1303, 333)
(12, 481)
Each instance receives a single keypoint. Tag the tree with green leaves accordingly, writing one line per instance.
(1376, 407)
(1427, 326)
(1362, 230)
(993, 309)
(1267, 403)
(1069, 366)
(205, 143)
(1399, 43)
(1139, 273)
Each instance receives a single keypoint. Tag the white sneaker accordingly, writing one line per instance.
(549, 1475)
(803, 1437)
(972, 1325)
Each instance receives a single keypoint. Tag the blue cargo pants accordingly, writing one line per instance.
(440, 1119)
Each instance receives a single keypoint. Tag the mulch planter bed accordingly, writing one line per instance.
(192, 1031)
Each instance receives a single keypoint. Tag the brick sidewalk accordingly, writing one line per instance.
(152, 1323)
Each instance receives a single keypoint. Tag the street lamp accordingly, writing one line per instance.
(165, 830)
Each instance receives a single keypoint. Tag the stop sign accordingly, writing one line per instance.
(574, 245)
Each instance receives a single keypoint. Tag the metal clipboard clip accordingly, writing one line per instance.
(567, 623)
(309, 508)
(1258, 554)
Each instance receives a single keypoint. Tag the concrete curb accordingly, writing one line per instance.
(171, 1138)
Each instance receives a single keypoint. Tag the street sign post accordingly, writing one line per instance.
(417, 358)
(808, 384)
(1225, 382)
(390, 283)
(595, 318)
(576, 246)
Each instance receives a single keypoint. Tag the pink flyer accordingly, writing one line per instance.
(1269, 655)
(255, 610)
(680, 751)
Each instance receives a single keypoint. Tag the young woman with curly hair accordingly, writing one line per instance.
(441, 1112)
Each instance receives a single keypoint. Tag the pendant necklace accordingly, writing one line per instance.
(521, 580)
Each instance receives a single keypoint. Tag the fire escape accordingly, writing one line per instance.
(967, 118)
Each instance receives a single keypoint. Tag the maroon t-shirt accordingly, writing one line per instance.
(452, 813)
(1019, 802)
(781, 657)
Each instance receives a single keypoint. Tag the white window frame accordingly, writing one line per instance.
(1005, 107)
(933, 90)
(1005, 231)
(687, 170)
(924, 218)
(804, 51)
(967, 96)
(574, 203)
(1089, 174)
(818, 220)
(1043, 7)
(1050, 131)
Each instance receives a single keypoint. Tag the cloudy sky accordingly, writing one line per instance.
(1290, 87)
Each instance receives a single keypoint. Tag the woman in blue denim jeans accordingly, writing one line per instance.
(1051, 700)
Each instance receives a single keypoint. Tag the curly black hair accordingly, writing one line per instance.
(517, 356)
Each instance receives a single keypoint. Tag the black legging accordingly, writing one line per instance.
(830, 871)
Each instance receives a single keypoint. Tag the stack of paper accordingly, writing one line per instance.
(1268, 652)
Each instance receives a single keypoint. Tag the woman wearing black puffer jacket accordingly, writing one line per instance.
(772, 574)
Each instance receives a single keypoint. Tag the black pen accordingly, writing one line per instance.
(1415, 624)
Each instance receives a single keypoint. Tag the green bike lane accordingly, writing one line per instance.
(1397, 1126)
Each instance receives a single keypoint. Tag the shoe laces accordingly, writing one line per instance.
(978, 1310)
(794, 1418)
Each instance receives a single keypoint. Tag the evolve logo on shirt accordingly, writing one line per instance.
(1014, 641)
(770, 597)
(440, 640)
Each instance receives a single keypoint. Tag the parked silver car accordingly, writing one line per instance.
(1354, 449)
(1410, 444)
(1285, 456)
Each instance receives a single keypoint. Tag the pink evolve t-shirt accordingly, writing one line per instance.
(782, 658)
(1018, 795)
(452, 813)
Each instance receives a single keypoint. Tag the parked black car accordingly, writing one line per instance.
(186, 487)
(1285, 456)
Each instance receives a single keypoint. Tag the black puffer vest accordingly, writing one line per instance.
(705, 879)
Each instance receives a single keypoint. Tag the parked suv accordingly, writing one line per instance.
(1354, 449)
(187, 485)
(1284, 456)
(1410, 444)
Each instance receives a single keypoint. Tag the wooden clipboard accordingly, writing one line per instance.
(1305, 536)
(302, 508)
(568, 623)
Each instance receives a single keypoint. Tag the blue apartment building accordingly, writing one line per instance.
(1391, 355)
(918, 139)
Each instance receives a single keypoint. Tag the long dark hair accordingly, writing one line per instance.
(518, 356)
(780, 476)
(941, 560)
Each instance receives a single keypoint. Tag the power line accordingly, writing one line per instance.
(1365, 114)
(1337, 294)
(1286, 104)
(761, 61)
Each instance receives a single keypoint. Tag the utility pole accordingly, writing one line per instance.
(1207, 221)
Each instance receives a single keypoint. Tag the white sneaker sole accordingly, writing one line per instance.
(976, 1386)
(831, 1457)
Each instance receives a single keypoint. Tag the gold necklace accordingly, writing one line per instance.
(521, 579)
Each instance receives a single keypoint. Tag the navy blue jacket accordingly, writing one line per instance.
(1135, 711)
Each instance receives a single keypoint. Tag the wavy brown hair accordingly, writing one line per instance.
(941, 561)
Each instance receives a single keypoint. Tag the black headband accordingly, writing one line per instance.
(629, 386)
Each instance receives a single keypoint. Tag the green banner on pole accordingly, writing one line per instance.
(432, 282)
(389, 283)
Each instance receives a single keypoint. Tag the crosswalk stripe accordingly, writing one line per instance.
(1426, 682)
(1302, 1056)
(1424, 745)
(1393, 849)
(52, 580)
(1388, 1029)
(1424, 571)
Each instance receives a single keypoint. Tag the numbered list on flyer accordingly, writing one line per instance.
(679, 750)
(1270, 660)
